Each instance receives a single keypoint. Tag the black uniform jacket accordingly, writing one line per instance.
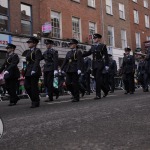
(50, 57)
(10, 65)
(33, 58)
(100, 56)
(73, 61)
(87, 65)
(128, 65)
(112, 67)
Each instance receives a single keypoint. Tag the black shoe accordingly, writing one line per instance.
(75, 100)
(83, 93)
(57, 96)
(48, 100)
(34, 105)
(131, 92)
(88, 93)
(12, 104)
(105, 94)
(126, 92)
(97, 97)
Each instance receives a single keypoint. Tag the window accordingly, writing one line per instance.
(109, 6)
(26, 19)
(110, 36)
(134, 1)
(56, 24)
(92, 28)
(145, 3)
(136, 16)
(148, 38)
(91, 3)
(4, 15)
(76, 28)
(146, 21)
(138, 40)
(121, 11)
(123, 38)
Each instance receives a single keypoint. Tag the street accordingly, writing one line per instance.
(117, 122)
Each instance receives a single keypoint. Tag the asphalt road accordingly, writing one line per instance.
(117, 122)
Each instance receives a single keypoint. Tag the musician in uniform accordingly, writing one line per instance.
(72, 65)
(99, 63)
(112, 72)
(11, 73)
(50, 57)
(128, 69)
(33, 71)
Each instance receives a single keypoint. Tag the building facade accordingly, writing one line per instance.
(80, 19)
(139, 23)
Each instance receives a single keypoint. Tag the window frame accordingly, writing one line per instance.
(31, 18)
(147, 21)
(124, 40)
(123, 11)
(111, 37)
(136, 16)
(94, 4)
(7, 16)
(60, 24)
(111, 9)
(145, 3)
(80, 32)
(138, 39)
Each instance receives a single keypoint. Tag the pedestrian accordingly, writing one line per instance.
(33, 71)
(128, 70)
(50, 70)
(11, 73)
(72, 65)
(112, 72)
(100, 61)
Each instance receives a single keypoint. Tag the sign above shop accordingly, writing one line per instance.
(4, 40)
(47, 27)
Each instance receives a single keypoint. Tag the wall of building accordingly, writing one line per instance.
(69, 9)
(139, 28)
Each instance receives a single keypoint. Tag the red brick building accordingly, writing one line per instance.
(139, 23)
(71, 18)
(116, 27)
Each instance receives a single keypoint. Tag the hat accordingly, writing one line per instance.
(47, 41)
(96, 35)
(127, 49)
(9, 45)
(33, 40)
(73, 41)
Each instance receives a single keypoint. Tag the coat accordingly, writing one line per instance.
(10, 65)
(33, 58)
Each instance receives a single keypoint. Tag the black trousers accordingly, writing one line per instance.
(31, 86)
(112, 82)
(146, 80)
(128, 80)
(87, 80)
(100, 84)
(48, 82)
(11, 87)
(72, 82)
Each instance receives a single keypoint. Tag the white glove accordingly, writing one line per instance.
(55, 72)
(79, 72)
(32, 72)
(107, 68)
(6, 72)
